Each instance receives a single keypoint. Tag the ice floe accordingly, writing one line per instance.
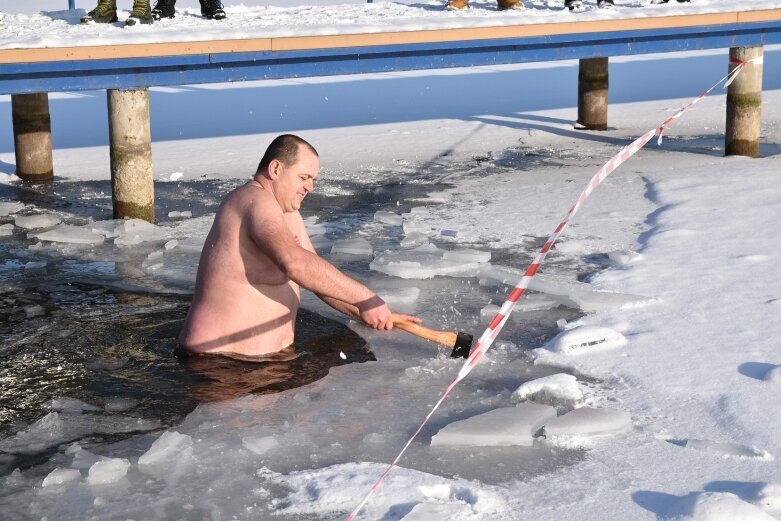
(61, 476)
(582, 340)
(356, 246)
(391, 218)
(424, 262)
(499, 427)
(69, 234)
(8, 208)
(558, 388)
(41, 220)
(108, 471)
(588, 421)
(171, 446)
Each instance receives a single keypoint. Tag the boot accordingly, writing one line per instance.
(104, 13)
(456, 5)
(163, 9)
(212, 9)
(602, 4)
(573, 5)
(505, 5)
(141, 13)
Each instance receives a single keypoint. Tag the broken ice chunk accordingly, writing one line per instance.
(413, 239)
(556, 388)
(136, 231)
(259, 445)
(60, 476)
(357, 246)
(69, 234)
(65, 404)
(43, 220)
(426, 511)
(588, 421)
(397, 296)
(423, 262)
(467, 255)
(6, 230)
(623, 257)
(499, 427)
(586, 339)
(7, 209)
(313, 228)
(108, 471)
(170, 446)
(391, 218)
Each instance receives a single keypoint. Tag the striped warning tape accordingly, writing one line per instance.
(497, 323)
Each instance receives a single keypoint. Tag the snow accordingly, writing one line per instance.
(677, 250)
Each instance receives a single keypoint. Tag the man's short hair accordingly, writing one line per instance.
(284, 148)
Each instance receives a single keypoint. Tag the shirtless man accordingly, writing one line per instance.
(256, 257)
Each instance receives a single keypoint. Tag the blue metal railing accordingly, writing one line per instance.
(71, 4)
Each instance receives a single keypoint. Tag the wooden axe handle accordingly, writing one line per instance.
(444, 338)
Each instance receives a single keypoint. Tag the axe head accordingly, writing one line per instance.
(463, 345)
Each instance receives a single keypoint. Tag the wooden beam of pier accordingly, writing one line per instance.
(134, 66)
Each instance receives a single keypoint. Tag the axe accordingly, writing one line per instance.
(460, 343)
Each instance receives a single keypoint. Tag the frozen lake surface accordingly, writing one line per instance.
(649, 333)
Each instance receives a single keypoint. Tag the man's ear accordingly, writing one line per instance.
(274, 169)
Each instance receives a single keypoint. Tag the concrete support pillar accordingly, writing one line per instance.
(130, 141)
(592, 94)
(744, 104)
(32, 137)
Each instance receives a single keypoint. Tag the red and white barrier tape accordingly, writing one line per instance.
(497, 323)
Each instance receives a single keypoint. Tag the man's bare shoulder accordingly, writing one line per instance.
(249, 198)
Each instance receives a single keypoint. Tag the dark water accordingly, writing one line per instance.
(80, 327)
(105, 347)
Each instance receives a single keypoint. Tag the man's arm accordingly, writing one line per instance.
(340, 305)
(269, 231)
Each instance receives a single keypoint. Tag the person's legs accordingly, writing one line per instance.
(505, 5)
(104, 13)
(212, 9)
(163, 9)
(141, 13)
(455, 5)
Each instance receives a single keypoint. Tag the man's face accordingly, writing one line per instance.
(297, 180)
